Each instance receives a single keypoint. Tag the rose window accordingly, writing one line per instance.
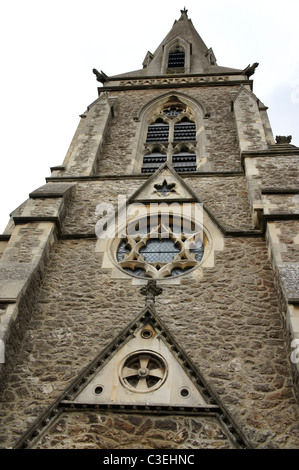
(161, 252)
(143, 371)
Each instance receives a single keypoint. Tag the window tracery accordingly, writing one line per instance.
(167, 248)
(170, 127)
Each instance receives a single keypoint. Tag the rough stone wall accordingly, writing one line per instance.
(251, 133)
(278, 171)
(288, 236)
(225, 197)
(228, 322)
(120, 143)
(81, 215)
(280, 203)
(90, 430)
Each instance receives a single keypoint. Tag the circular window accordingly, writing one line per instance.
(98, 389)
(184, 392)
(169, 247)
(143, 371)
(146, 333)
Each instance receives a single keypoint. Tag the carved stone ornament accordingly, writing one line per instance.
(282, 139)
(160, 253)
(165, 188)
(151, 290)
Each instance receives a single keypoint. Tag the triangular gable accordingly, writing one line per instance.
(178, 386)
(164, 185)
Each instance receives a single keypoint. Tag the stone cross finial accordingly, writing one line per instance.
(151, 290)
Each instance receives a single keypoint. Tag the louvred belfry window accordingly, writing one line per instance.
(175, 138)
(152, 162)
(184, 161)
(184, 131)
(176, 59)
(158, 132)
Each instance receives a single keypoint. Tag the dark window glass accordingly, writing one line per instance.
(157, 132)
(184, 131)
(184, 161)
(176, 59)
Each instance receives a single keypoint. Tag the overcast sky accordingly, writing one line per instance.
(49, 49)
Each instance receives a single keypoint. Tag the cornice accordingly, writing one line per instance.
(189, 84)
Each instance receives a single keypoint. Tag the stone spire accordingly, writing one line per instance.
(198, 57)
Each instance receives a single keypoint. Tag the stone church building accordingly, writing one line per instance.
(149, 290)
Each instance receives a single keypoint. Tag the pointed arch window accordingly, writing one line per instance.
(171, 137)
(176, 58)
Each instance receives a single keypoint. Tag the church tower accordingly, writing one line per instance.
(149, 290)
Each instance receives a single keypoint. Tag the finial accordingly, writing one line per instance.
(151, 290)
(184, 11)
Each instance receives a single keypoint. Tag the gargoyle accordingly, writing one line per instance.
(101, 76)
(250, 69)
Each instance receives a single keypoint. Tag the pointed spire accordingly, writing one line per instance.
(184, 39)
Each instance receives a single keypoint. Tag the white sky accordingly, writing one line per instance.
(50, 48)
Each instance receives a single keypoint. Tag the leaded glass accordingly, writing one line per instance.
(167, 249)
(123, 250)
(159, 250)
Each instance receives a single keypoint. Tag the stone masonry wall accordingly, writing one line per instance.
(91, 430)
(225, 197)
(120, 143)
(279, 171)
(228, 322)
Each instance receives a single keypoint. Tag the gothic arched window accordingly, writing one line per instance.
(176, 58)
(174, 131)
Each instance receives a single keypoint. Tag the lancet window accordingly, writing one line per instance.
(171, 136)
(176, 58)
